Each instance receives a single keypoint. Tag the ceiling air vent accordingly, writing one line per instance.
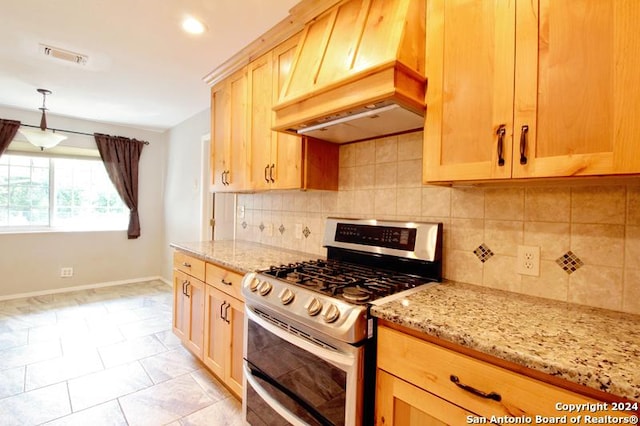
(65, 55)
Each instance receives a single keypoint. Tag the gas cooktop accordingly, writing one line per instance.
(347, 281)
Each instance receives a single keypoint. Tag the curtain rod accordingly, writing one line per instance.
(68, 131)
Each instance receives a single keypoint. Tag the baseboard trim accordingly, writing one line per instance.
(82, 287)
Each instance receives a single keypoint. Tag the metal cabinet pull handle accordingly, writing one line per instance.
(266, 169)
(273, 166)
(222, 316)
(524, 131)
(228, 172)
(222, 178)
(186, 293)
(184, 283)
(501, 132)
(226, 282)
(226, 313)
(186, 264)
(491, 395)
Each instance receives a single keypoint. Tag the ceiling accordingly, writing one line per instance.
(142, 70)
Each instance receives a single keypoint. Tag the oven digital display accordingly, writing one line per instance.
(381, 236)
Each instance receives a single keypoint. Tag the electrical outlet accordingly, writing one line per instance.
(528, 262)
(66, 272)
(298, 232)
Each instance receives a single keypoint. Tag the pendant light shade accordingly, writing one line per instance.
(42, 138)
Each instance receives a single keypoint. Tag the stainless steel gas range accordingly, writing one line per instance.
(309, 340)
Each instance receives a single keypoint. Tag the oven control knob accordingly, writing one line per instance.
(286, 296)
(314, 307)
(331, 314)
(264, 288)
(253, 285)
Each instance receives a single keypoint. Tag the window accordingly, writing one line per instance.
(40, 193)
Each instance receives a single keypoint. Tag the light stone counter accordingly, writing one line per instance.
(589, 346)
(242, 256)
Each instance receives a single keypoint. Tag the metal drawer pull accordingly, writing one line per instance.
(501, 132)
(226, 282)
(186, 264)
(491, 395)
(524, 131)
(266, 169)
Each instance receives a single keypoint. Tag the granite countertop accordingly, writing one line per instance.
(242, 256)
(589, 346)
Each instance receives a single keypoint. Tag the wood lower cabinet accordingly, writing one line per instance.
(208, 316)
(224, 332)
(224, 326)
(188, 311)
(530, 89)
(420, 382)
(401, 403)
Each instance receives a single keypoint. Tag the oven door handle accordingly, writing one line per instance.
(340, 360)
(252, 370)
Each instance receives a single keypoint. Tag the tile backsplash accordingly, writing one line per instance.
(589, 235)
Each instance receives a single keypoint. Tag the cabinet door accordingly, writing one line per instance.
(286, 149)
(219, 135)
(195, 303)
(470, 73)
(577, 87)
(259, 74)
(215, 346)
(238, 168)
(180, 314)
(399, 403)
(229, 134)
(235, 315)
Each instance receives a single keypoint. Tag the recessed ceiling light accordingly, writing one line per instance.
(193, 26)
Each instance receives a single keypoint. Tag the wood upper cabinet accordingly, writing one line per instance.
(548, 87)
(229, 167)
(281, 160)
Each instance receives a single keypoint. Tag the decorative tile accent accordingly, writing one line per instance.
(261, 227)
(244, 225)
(569, 262)
(483, 253)
(306, 232)
(281, 229)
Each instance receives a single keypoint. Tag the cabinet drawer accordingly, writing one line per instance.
(224, 280)
(189, 265)
(431, 368)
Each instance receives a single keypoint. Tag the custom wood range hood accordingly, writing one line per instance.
(358, 73)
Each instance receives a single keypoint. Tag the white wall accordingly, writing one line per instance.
(30, 262)
(183, 186)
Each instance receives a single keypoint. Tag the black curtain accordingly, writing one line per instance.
(121, 157)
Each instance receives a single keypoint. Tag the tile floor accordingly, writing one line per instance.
(105, 356)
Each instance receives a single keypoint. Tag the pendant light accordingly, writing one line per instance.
(42, 138)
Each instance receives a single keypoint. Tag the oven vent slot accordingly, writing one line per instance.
(293, 330)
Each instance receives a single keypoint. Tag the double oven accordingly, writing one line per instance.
(309, 339)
